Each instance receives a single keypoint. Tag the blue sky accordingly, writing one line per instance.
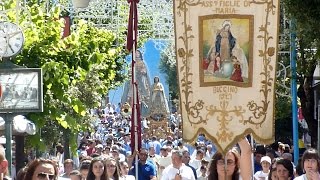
(151, 57)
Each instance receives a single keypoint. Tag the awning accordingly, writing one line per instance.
(21, 125)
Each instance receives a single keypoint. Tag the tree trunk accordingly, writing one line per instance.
(306, 95)
(66, 143)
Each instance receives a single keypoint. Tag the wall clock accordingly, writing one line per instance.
(11, 39)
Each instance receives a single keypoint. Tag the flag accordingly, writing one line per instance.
(131, 46)
(136, 129)
(226, 61)
(132, 25)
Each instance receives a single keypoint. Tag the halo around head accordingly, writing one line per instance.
(225, 23)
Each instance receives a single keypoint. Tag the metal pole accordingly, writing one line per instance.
(8, 134)
(134, 91)
(294, 92)
(252, 152)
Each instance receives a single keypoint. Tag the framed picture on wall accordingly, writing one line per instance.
(21, 90)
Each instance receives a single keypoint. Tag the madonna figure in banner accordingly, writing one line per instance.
(158, 104)
(225, 41)
(222, 41)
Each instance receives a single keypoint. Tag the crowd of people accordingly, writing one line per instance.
(105, 153)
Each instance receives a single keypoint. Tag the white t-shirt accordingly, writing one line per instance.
(170, 172)
(302, 177)
(195, 163)
(165, 162)
(261, 175)
(127, 177)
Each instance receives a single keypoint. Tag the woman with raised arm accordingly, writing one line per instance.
(233, 166)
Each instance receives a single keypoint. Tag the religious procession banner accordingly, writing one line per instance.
(226, 58)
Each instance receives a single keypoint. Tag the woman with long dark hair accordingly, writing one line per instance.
(228, 167)
(112, 169)
(97, 170)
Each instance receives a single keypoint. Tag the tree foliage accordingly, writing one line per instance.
(77, 69)
(168, 66)
(305, 17)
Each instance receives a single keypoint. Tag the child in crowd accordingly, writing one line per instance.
(265, 163)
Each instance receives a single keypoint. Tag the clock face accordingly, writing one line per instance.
(11, 39)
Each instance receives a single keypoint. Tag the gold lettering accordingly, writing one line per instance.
(207, 4)
(225, 10)
(225, 97)
(246, 3)
(225, 89)
(229, 3)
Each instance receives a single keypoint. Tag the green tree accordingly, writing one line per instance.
(168, 66)
(77, 70)
(306, 17)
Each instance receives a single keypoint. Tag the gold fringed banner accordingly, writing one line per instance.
(226, 58)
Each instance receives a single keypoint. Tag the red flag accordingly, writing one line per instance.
(132, 24)
(134, 128)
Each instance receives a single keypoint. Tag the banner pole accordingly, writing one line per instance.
(252, 154)
(134, 88)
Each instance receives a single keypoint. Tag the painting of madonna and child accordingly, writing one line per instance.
(226, 50)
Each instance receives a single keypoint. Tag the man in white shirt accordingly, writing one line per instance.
(177, 170)
(196, 162)
(210, 152)
(153, 156)
(164, 160)
(108, 110)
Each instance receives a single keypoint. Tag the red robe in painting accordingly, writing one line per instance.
(215, 66)
(236, 75)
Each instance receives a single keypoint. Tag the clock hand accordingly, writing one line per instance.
(11, 48)
(13, 34)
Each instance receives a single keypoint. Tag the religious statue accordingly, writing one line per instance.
(143, 83)
(158, 103)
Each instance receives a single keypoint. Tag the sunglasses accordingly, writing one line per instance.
(45, 175)
(229, 162)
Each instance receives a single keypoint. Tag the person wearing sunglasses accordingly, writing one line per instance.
(41, 169)
(228, 167)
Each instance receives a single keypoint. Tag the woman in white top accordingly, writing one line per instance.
(310, 165)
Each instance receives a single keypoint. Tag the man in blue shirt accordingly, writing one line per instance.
(156, 144)
(146, 169)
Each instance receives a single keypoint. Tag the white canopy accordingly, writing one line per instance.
(20, 125)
